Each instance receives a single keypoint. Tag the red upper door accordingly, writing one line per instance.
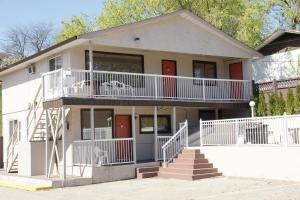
(123, 128)
(169, 83)
(236, 71)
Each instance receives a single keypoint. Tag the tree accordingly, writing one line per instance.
(22, 41)
(243, 20)
(290, 104)
(291, 11)
(297, 99)
(9, 60)
(271, 104)
(279, 104)
(76, 26)
(261, 107)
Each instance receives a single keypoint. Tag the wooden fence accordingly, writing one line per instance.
(277, 86)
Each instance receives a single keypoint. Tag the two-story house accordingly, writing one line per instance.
(97, 104)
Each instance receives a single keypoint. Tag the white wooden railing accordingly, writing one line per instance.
(105, 152)
(76, 83)
(175, 144)
(275, 130)
(161, 140)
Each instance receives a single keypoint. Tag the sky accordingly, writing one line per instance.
(25, 12)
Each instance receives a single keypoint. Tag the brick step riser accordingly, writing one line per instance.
(190, 151)
(146, 175)
(191, 166)
(190, 161)
(191, 156)
(188, 177)
(188, 171)
(147, 169)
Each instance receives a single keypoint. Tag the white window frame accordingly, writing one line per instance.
(19, 128)
(55, 62)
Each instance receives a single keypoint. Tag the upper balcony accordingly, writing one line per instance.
(136, 86)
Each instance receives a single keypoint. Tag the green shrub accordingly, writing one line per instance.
(271, 104)
(297, 99)
(261, 104)
(290, 102)
(279, 104)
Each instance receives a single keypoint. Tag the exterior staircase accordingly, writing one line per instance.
(146, 172)
(189, 165)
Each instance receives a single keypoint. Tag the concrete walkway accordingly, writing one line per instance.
(222, 188)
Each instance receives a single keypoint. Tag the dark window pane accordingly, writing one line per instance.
(103, 124)
(147, 124)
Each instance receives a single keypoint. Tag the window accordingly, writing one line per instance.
(203, 69)
(116, 62)
(147, 124)
(103, 124)
(14, 126)
(55, 63)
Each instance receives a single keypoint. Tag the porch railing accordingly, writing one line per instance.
(161, 140)
(105, 152)
(76, 83)
(275, 130)
(175, 144)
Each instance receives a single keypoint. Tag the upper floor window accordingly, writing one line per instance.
(104, 61)
(55, 63)
(203, 69)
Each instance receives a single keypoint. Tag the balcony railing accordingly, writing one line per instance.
(77, 83)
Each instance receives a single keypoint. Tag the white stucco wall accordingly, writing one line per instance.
(256, 161)
(282, 65)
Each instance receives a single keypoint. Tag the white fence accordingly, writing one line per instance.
(76, 83)
(175, 144)
(106, 152)
(276, 130)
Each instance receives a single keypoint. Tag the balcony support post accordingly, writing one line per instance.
(155, 134)
(133, 133)
(174, 123)
(92, 138)
(91, 66)
(64, 145)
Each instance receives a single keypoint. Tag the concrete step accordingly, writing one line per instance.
(190, 151)
(188, 171)
(190, 160)
(147, 175)
(191, 156)
(188, 177)
(191, 165)
(147, 169)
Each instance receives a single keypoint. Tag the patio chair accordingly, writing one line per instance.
(121, 88)
(79, 88)
(101, 156)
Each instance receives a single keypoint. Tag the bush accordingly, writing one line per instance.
(290, 104)
(297, 99)
(261, 104)
(271, 104)
(279, 104)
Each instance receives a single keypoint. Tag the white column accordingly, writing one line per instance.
(63, 120)
(46, 143)
(133, 132)
(92, 138)
(174, 123)
(155, 134)
(91, 65)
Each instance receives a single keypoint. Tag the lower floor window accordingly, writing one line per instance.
(103, 123)
(14, 129)
(147, 124)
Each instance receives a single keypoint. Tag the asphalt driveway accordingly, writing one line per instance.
(221, 188)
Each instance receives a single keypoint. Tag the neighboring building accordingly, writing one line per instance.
(281, 58)
(146, 78)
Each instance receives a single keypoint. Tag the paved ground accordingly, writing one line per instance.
(222, 188)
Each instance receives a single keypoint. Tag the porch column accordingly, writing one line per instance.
(174, 123)
(133, 133)
(91, 65)
(92, 138)
(155, 134)
(63, 121)
(46, 143)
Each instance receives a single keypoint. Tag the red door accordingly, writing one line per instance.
(169, 83)
(236, 72)
(123, 130)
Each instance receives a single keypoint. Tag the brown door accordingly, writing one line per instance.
(123, 130)
(236, 72)
(169, 83)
